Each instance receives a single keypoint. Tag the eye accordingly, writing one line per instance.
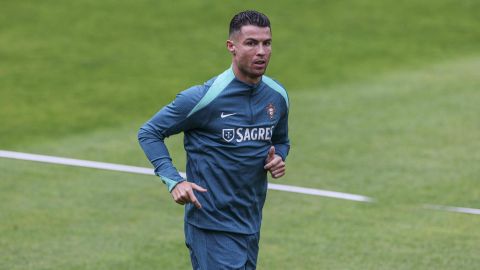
(267, 43)
(250, 43)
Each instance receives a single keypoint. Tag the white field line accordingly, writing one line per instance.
(463, 210)
(319, 192)
(148, 171)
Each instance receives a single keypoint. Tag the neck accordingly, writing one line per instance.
(243, 77)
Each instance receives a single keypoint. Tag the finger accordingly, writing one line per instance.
(277, 171)
(272, 163)
(278, 175)
(175, 194)
(277, 166)
(182, 202)
(182, 194)
(194, 200)
(198, 188)
(177, 198)
(178, 191)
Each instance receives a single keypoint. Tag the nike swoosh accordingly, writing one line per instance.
(226, 115)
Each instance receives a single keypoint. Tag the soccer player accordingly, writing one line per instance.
(235, 131)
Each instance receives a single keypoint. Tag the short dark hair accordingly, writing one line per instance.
(248, 17)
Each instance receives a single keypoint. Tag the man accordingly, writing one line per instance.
(236, 129)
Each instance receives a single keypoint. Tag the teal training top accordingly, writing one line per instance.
(228, 127)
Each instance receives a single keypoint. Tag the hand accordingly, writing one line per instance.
(274, 164)
(182, 193)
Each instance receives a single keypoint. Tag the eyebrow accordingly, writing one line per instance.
(257, 40)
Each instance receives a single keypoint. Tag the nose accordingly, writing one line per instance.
(261, 49)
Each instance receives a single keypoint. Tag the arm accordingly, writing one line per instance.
(171, 119)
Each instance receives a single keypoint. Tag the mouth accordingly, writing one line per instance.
(260, 63)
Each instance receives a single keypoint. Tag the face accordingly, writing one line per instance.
(250, 48)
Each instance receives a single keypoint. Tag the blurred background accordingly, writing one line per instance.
(385, 102)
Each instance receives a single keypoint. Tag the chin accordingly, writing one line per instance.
(258, 73)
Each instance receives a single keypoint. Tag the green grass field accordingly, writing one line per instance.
(385, 102)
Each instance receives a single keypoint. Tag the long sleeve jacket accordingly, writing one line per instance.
(228, 127)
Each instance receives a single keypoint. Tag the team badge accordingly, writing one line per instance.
(271, 110)
(228, 134)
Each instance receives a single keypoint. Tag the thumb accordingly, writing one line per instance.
(198, 188)
(271, 152)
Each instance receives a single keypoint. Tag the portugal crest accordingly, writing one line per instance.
(271, 110)
(228, 134)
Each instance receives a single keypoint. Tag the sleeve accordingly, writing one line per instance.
(170, 120)
(280, 139)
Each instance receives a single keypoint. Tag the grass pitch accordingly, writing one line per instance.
(384, 103)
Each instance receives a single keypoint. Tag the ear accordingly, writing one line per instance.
(231, 46)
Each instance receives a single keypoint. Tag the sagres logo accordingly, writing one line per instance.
(228, 134)
(248, 134)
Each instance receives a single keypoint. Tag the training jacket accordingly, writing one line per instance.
(228, 127)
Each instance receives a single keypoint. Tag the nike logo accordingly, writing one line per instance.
(226, 115)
